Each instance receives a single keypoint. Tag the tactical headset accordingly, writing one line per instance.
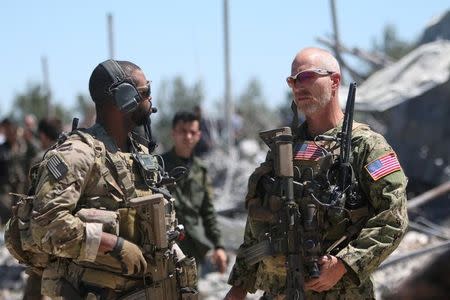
(126, 96)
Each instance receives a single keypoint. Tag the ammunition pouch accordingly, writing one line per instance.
(109, 219)
(267, 247)
(187, 272)
(18, 237)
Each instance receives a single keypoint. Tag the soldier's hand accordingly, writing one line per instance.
(219, 259)
(331, 271)
(130, 257)
(236, 293)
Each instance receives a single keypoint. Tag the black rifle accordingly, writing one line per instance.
(345, 138)
(280, 142)
(341, 174)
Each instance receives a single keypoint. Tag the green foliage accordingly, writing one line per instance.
(86, 110)
(257, 116)
(35, 100)
(174, 95)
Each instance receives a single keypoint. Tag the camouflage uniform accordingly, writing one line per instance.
(379, 235)
(87, 171)
(14, 165)
(193, 202)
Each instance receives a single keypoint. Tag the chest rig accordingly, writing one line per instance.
(318, 218)
(125, 194)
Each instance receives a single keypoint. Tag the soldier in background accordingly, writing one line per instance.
(86, 233)
(193, 194)
(373, 230)
(49, 129)
(13, 167)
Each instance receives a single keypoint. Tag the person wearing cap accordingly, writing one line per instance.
(350, 238)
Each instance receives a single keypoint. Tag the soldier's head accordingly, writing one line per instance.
(314, 80)
(49, 130)
(9, 128)
(185, 132)
(120, 87)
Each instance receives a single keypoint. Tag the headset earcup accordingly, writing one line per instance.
(126, 97)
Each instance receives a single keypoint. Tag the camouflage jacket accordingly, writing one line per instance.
(193, 203)
(378, 237)
(87, 171)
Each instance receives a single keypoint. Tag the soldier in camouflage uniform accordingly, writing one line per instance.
(377, 227)
(86, 222)
(193, 194)
(14, 164)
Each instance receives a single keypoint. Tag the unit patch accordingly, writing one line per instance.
(383, 166)
(57, 167)
(308, 151)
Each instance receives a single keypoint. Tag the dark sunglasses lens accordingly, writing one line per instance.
(306, 75)
(145, 93)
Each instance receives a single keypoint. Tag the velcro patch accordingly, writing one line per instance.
(57, 167)
(383, 166)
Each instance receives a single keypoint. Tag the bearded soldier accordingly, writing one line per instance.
(343, 241)
(97, 223)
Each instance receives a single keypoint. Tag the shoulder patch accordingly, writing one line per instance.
(57, 167)
(383, 166)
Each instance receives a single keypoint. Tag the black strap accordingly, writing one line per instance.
(114, 70)
(115, 252)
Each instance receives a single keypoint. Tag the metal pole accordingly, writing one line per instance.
(441, 189)
(110, 36)
(228, 100)
(46, 85)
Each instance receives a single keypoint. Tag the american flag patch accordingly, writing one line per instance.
(57, 167)
(383, 166)
(308, 151)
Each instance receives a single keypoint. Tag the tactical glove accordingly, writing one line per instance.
(130, 257)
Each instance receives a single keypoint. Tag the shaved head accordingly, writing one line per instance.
(318, 91)
(314, 58)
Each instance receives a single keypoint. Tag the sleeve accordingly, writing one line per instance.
(387, 200)
(209, 215)
(63, 176)
(242, 274)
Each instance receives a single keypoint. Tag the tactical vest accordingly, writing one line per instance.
(313, 193)
(116, 182)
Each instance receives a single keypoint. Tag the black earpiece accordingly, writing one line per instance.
(126, 96)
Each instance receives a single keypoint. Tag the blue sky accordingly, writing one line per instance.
(170, 38)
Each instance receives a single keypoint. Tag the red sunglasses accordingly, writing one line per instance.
(305, 75)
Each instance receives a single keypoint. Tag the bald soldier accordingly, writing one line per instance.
(101, 226)
(373, 229)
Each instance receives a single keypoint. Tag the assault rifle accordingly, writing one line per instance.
(280, 142)
(341, 174)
